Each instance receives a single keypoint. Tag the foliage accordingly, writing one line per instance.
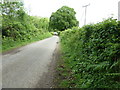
(63, 18)
(12, 9)
(92, 55)
(19, 28)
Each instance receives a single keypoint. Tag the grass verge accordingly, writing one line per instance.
(9, 44)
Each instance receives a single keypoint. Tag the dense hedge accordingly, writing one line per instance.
(19, 28)
(92, 55)
(17, 32)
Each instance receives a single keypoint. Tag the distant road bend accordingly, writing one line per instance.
(24, 67)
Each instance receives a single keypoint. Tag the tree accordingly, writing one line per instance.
(12, 14)
(63, 18)
(12, 9)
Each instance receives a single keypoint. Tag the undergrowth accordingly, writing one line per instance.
(10, 43)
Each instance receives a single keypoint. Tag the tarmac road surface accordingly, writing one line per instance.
(24, 67)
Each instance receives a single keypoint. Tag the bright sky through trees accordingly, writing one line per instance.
(97, 10)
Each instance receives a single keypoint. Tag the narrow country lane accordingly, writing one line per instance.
(24, 67)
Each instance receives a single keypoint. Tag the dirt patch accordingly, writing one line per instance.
(49, 79)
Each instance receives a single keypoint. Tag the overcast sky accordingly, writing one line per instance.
(97, 10)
